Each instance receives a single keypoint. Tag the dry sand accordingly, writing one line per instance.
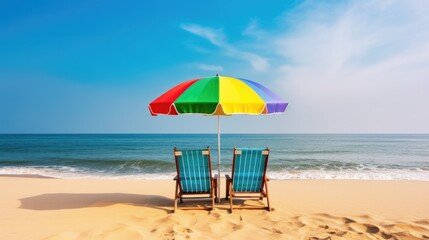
(41, 208)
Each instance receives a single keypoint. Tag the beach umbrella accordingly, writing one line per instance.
(218, 96)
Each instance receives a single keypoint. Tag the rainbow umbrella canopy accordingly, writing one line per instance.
(219, 95)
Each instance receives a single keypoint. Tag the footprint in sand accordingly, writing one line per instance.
(364, 228)
(181, 232)
(275, 230)
(225, 225)
(348, 220)
(216, 215)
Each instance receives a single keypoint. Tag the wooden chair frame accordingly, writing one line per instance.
(179, 193)
(261, 194)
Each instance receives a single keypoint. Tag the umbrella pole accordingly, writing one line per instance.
(218, 158)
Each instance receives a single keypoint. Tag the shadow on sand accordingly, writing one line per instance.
(58, 201)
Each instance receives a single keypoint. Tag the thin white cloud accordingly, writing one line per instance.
(254, 30)
(217, 38)
(356, 67)
(213, 68)
(258, 63)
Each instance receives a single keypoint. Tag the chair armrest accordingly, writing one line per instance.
(215, 177)
(175, 178)
(227, 177)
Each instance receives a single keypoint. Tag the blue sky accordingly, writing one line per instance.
(93, 66)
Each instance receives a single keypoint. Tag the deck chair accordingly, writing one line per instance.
(248, 179)
(194, 176)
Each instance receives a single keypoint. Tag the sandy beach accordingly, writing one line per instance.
(47, 208)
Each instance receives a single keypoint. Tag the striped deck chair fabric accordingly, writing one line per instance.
(194, 175)
(194, 171)
(249, 167)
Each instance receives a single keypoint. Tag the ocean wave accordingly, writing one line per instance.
(77, 173)
(382, 174)
(113, 165)
(328, 164)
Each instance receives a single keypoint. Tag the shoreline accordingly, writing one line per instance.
(278, 176)
(49, 208)
(170, 177)
(26, 176)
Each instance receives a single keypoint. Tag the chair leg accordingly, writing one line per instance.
(215, 188)
(175, 198)
(230, 196)
(267, 196)
(227, 189)
(213, 199)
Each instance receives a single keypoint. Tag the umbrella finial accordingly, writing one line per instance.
(217, 74)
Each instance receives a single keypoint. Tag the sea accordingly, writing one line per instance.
(150, 156)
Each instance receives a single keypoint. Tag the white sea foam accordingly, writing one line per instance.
(390, 174)
(74, 173)
(56, 172)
